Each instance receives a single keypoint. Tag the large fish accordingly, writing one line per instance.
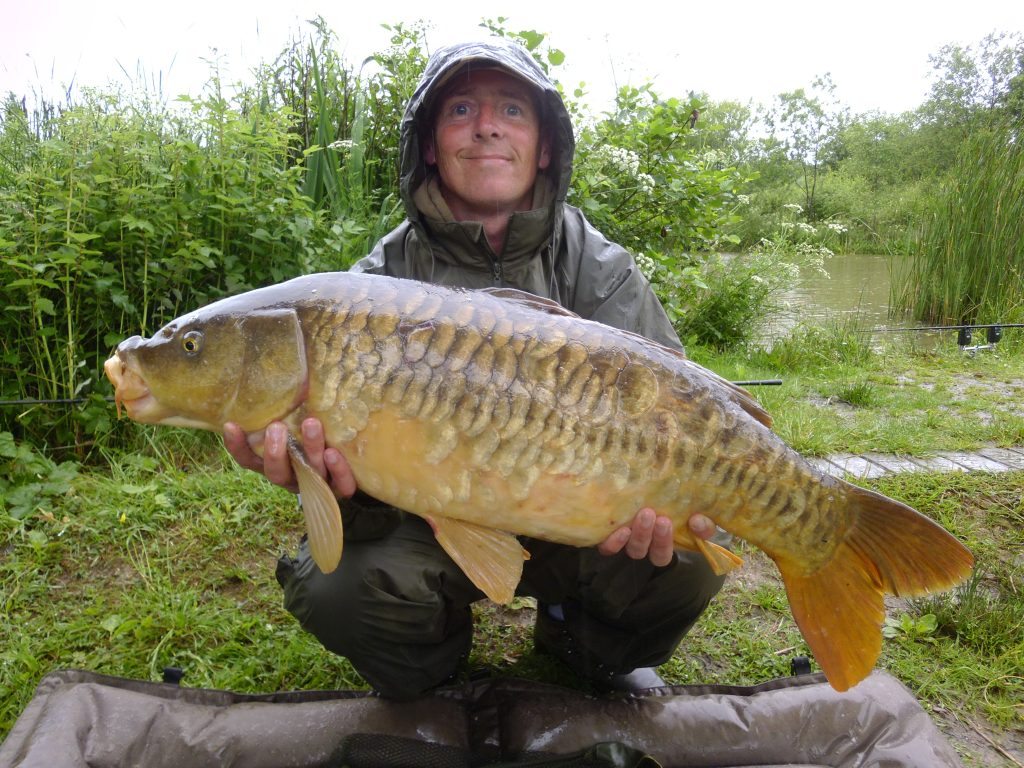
(494, 413)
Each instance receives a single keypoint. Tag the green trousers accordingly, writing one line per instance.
(399, 608)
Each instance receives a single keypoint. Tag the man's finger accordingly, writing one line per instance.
(276, 466)
(662, 547)
(313, 445)
(236, 444)
(343, 482)
(643, 530)
(702, 526)
(615, 542)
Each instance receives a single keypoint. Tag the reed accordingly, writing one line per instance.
(346, 121)
(970, 267)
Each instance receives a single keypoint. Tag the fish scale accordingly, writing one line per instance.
(495, 414)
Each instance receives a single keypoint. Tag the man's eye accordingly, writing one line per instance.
(460, 110)
(514, 110)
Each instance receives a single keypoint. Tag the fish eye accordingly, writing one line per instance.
(192, 342)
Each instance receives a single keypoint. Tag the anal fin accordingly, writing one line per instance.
(721, 560)
(320, 510)
(491, 559)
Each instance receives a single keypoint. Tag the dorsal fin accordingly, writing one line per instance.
(530, 300)
(736, 393)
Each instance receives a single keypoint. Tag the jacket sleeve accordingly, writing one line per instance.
(606, 285)
(388, 255)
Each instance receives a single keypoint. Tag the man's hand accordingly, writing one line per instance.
(275, 464)
(650, 536)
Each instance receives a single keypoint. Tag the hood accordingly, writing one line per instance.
(496, 52)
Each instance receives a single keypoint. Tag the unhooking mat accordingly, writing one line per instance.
(85, 719)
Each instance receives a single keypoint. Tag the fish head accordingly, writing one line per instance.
(210, 367)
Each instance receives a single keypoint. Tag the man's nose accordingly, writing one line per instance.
(487, 123)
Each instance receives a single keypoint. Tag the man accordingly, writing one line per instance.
(486, 159)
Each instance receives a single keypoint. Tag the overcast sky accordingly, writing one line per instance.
(876, 52)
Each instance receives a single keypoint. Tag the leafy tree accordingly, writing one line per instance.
(725, 127)
(808, 124)
(975, 82)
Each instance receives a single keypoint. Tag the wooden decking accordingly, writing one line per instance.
(869, 465)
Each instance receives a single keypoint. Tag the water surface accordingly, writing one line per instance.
(852, 292)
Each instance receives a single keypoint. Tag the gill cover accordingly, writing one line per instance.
(273, 378)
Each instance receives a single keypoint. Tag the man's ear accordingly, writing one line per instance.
(429, 152)
(544, 154)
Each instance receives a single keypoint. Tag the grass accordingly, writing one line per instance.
(166, 558)
(839, 395)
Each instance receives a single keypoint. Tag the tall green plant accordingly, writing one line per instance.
(347, 124)
(970, 267)
(125, 217)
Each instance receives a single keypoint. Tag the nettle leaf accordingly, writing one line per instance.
(111, 623)
(83, 237)
(44, 305)
(121, 300)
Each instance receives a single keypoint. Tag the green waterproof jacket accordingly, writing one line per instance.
(552, 251)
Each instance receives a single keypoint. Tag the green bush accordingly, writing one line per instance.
(639, 181)
(126, 216)
(29, 482)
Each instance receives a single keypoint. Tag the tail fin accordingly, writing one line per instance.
(889, 548)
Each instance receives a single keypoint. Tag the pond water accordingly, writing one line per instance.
(854, 292)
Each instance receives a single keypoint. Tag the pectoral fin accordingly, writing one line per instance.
(493, 560)
(320, 508)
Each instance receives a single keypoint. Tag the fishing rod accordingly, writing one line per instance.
(965, 333)
(78, 400)
(53, 401)
(968, 326)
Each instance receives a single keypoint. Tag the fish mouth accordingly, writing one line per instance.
(130, 389)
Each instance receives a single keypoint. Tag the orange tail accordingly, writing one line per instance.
(889, 548)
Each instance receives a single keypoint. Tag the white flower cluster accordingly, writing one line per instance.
(794, 207)
(626, 161)
(646, 264)
(646, 182)
(836, 227)
(743, 199)
(341, 145)
(713, 157)
(803, 226)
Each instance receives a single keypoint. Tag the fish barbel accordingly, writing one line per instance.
(494, 413)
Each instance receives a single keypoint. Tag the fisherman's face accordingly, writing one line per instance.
(487, 144)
